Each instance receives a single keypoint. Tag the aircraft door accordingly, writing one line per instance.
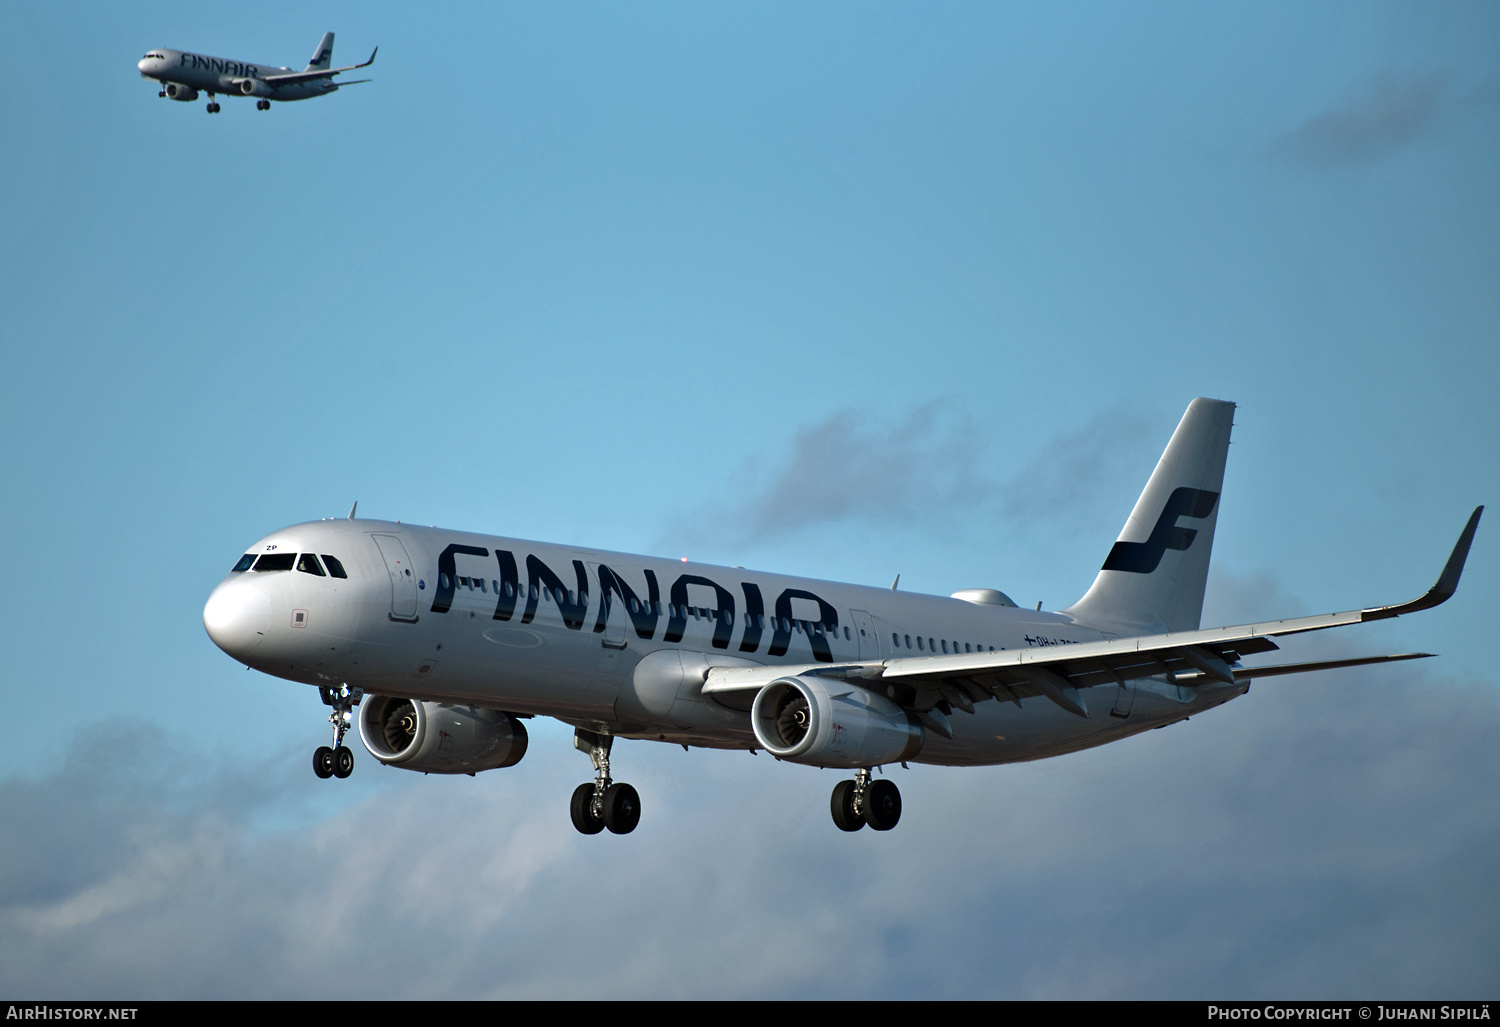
(403, 577)
(616, 618)
(864, 627)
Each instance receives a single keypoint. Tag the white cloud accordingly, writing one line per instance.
(1393, 109)
(1322, 837)
(929, 466)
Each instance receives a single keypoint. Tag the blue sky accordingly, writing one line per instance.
(843, 291)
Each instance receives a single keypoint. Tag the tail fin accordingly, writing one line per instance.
(322, 58)
(1153, 579)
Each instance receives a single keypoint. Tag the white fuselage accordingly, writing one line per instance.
(220, 75)
(524, 627)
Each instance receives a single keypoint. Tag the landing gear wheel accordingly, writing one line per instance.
(582, 809)
(622, 809)
(323, 761)
(343, 761)
(842, 805)
(882, 805)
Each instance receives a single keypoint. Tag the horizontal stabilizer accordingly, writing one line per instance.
(1250, 673)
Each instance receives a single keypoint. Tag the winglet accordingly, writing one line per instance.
(352, 509)
(1447, 582)
(371, 60)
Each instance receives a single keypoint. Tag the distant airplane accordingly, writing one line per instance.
(455, 639)
(183, 74)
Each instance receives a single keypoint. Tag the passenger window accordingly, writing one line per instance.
(245, 562)
(908, 641)
(919, 643)
(276, 562)
(308, 564)
(335, 568)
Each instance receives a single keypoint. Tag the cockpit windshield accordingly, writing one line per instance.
(307, 564)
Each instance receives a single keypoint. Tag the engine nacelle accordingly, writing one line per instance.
(253, 87)
(178, 91)
(438, 739)
(830, 723)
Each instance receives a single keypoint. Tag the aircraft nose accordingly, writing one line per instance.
(144, 64)
(237, 616)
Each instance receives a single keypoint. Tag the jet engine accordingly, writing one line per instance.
(253, 87)
(177, 91)
(438, 739)
(828, 723)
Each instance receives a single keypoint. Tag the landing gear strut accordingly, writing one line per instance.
(601, 803)
(863, 801)
(337, 760)
(213, 105)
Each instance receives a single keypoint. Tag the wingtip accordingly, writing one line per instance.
(1447, 582)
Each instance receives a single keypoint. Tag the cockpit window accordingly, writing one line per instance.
(276, 562)
(334, 567)
(308, 564)
(244, 564)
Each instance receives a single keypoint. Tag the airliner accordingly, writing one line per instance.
(183, 74)
(445, 643)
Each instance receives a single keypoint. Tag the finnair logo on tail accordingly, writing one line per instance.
(324, 56)
(1142, 557)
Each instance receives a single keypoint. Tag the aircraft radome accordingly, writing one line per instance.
(453, 640)
(183, 75)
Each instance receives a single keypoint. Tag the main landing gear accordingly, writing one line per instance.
(338, 760)
(262, 105)
(213, 105)
(863, 801)
(600, 803)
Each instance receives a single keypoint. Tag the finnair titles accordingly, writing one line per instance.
(183, 75)
(441, 644)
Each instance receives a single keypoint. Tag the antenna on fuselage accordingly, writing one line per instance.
(352, 509)
(895, 583)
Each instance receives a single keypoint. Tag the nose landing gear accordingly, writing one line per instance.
(601, 803)
(863, 801)
(337, 760)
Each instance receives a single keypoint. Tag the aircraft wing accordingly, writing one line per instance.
(922, 684)
(292, 77)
